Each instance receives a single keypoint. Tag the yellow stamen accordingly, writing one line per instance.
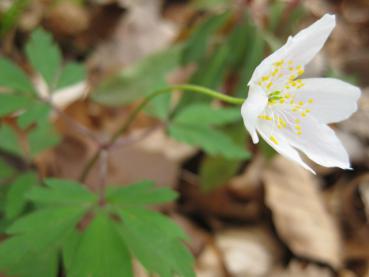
(273, 139)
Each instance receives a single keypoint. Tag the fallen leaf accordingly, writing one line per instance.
(248, 251)
(299, 269)
(299, 214)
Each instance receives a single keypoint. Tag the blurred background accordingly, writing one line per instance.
(260, 216)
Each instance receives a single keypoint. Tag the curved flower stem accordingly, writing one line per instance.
(186, 87)
(132, 116)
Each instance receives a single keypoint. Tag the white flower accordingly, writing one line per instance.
(292, 114)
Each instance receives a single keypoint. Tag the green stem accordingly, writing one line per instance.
(132, 116)
(186, 87)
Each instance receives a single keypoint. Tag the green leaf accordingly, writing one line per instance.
(61, 192)
(204, 114)
(138, 80)
(36, 112)
(156, 243)
(197, 43)
(71, 74)
(10, 103)
(44, 55)
(13, 78)
(6, 171)
(101, 252)
(139, 194)
(252, 58)
(212, 141)
(9, 140)
(42, 137)
(8, 19)
(32, 249)
(15, 198)
(215, 5)
(216, 171)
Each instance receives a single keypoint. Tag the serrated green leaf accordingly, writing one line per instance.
(156, 246)
(42, 137)
(36, 112)
(44, 55)
(216, 171)
(61, 192)
(71, 74)
(35, 241)
(101, 252)
(9, 141)
(212, 141)
(197, 43)
(10, 103)
(139, 194)
(138, 80)
(13, 78)
(204, 114)
(16, 201)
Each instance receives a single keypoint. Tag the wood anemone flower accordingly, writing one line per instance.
(291, 114)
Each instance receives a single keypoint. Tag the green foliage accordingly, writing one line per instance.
(100, 251)
(113, 233)
(9, 141)
(44, 55)
(42, 137)
(15, 201)
(71, 73)
(195, 125)
(10, 103)
(216, 171)
(36, 112)
(139, 79)
(9, 18)
(21, 97)
(13, 78)
(204, 114)
(140, 194)
(197, 44)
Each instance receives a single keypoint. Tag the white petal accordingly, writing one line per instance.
(300, 49)
(280, 143)
(332, 100)
(253, 106)
(319, 143)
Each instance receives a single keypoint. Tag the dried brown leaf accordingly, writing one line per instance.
(299, 214)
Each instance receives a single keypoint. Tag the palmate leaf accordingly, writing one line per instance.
(152, 238)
